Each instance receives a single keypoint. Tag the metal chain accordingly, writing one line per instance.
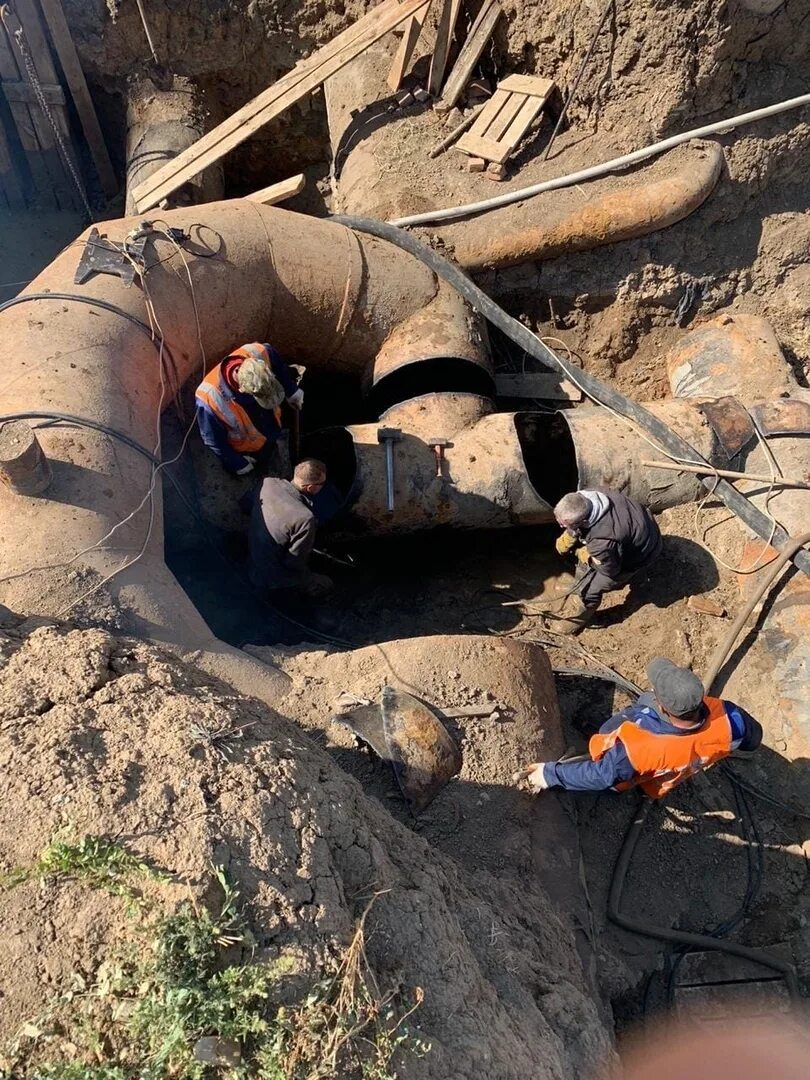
(43, 104)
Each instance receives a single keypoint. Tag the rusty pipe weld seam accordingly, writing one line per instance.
(597, 390)
(595, 171)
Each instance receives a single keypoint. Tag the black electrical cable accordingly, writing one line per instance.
(52, 418)
(603, 394)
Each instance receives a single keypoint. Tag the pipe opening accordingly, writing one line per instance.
(335, 447)
(548, 453)
(436, 375)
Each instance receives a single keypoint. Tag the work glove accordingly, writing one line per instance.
(584, 556)
(296, 400)
(565, 541)
(534, 776)
(246, 468)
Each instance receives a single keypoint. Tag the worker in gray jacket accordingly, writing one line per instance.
(614, 536)
(282, 534)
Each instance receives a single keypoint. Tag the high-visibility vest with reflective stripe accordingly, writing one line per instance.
(662, 762)
(215, 394)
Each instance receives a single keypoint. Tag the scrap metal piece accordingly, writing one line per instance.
(102, 256)
(422, 752)
(783, 416)
(730, 422)
(403, 731)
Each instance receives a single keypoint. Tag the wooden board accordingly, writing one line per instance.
(506, 118)
(413, 28)
(537, 385)
(448, 18)
(37, 176)
(276, 193)
(24, 91)
(479, 35)
(298, 83)
(11, 194)
(69, 59)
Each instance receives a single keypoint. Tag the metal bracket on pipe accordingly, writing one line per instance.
(102, 256)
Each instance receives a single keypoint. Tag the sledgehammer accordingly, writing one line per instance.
(388, 436)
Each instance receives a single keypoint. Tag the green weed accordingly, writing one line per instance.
(146, 1011)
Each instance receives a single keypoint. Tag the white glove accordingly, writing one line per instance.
(536, 778)
(296, 400)
(246, 468)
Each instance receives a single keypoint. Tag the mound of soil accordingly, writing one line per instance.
(108, 736)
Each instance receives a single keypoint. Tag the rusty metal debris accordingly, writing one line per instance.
(406, 733)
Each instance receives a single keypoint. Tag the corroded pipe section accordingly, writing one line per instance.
(162, 121)
(554, 224)
(486, 480)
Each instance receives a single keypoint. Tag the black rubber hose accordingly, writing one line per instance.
(600, 392)
(679, 937)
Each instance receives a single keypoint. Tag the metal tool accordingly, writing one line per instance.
(438, 446)
(388, 436)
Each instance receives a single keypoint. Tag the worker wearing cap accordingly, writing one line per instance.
(239, 405)
(615, 537)
(670, 734)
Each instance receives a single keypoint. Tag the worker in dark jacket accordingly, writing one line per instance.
(616, 537)
(670, 734)
(239, 405)
(282, 533)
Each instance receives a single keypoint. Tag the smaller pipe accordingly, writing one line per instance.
(722, 651)
(700, 470)
(456, 133)
(595, 171)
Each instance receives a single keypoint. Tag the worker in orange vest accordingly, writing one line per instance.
(670, 734)
(239, 405)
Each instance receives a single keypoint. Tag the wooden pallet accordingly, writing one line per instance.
(506, 117)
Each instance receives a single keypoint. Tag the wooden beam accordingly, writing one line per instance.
(302, 80)
(18, 90)
(470, 54)
(444, 36)
(69, 59)
(38, 179)
(413, 28)
(276, 193)
(548, 386)
(9, 181)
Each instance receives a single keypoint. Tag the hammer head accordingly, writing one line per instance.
(443, 444)
(388, 434)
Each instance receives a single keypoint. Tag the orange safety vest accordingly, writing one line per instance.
(243, 435)
(662, 762)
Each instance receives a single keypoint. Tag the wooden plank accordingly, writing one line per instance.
(521, 124)
(23, 122)
(25, 15)
(69, 59)
(302, 80)
(470, 54)
(489, 110)
(24, 91)
(413, 28)
(536, 385)
(527, 84)
(506, 116)
(448, 18)
(9, 181)
(276, 193)
(477, 146)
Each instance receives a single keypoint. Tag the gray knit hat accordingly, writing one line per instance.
(678, 689)
(256, 378)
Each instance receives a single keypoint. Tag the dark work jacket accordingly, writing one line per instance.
(624, 539)
(281, 536)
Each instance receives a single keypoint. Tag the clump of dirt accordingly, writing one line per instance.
(113, 737)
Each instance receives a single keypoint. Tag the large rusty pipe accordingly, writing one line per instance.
(162, 121)
(317, 290)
